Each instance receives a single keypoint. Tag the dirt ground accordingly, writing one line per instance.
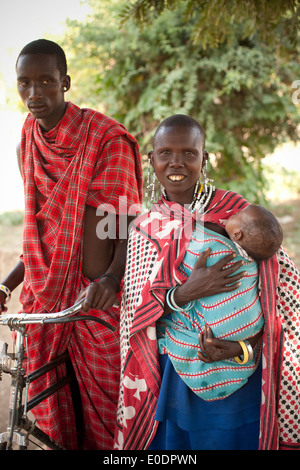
(10, 249)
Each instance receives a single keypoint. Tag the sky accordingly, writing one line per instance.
(20, 23)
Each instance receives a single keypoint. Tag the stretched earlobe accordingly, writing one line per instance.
(66, 83)
(151, 183)
(204, 162)
(150, 157)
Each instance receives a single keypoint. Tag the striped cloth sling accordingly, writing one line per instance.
(232, 316)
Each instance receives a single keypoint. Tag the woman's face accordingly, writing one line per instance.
(177, 159)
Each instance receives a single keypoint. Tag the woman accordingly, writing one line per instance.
(150, 391)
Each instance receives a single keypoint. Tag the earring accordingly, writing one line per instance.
(204, 173)
(150, 188)
(153, 188)
(206, 181)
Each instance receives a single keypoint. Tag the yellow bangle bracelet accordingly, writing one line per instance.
(246, 354)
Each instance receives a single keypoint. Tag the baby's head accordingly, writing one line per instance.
(256, 230)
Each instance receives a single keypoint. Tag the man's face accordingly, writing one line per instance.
(42, 88)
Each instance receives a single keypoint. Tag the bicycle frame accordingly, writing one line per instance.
(12, 364)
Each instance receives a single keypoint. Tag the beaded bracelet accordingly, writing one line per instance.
(7, 292)
(172, 304)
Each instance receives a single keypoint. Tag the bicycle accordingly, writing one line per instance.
(20, 427)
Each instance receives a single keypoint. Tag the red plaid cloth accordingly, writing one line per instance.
(87, 158)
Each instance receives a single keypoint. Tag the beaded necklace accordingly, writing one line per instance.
(201, 198)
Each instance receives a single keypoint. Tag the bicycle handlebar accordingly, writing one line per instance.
(14, 320)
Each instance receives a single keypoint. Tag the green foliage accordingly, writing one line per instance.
(12, 218)
(215, 20)
(239, 91)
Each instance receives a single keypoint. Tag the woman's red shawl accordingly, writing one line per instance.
(153, 259)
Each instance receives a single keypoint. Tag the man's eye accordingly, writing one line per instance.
(22, 83)
(45, 82)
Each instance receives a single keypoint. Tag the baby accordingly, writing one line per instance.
(255, 230)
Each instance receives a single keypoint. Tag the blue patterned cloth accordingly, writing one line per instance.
(234, 315)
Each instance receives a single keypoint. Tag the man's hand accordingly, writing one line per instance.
(99, 295)
(2, 302)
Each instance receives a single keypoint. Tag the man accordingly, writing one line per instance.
(72, 160)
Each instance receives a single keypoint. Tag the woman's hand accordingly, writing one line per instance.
(99, 295)
(205, 281)
(214, 349)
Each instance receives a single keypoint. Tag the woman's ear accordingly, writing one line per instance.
(150, 157)
(205, 157)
